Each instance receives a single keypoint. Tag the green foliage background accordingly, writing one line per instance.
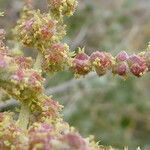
(117, 112)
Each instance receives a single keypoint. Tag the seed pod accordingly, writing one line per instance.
(137, 65)
(121, 69)
(81, 64)
(122, 56)
(101, 61)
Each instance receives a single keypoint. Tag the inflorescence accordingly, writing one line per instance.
(21, 77)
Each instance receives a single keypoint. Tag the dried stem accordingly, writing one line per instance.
(38, 62)
(24, 116)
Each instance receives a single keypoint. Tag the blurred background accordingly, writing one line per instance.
(117, 112)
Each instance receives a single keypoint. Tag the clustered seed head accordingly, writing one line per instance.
(16, 75)
(44, 31)
(49, 109)
(41, 135)
(27, 78)
(23, 62)
(56, 58)
(62, 7)
(38, 30)
(101, 62)
(10, 134)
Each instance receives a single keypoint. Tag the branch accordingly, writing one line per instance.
(67, 85)
(8, 105)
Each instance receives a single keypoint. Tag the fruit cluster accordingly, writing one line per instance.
(101, 62)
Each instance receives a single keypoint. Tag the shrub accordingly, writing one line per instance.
(40, 124)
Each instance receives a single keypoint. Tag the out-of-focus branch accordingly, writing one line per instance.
(80, 36)
(67, 85)
(8, 104)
